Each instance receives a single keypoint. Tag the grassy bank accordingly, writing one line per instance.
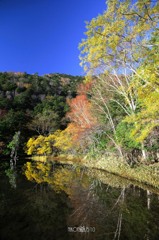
(144, 174)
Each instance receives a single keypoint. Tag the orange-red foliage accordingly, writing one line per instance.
(84, 88)
(80, 112)
(80, 115)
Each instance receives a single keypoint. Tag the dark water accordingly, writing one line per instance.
(47, 201)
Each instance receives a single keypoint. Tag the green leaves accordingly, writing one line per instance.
(121, 52)
(117, 37)
(33, 103)
(124, 135)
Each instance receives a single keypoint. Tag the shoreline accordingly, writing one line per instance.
(143, 174)
(147, 175)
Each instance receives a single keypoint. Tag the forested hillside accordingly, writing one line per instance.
(33, 105)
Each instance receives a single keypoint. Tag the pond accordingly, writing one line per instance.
(49, 200)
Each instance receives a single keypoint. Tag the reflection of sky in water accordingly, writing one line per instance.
(49, 200)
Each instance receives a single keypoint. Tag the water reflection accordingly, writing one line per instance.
(11, 173)
(58, 198)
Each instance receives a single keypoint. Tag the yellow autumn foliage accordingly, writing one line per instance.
(41, 145)
(62, 140)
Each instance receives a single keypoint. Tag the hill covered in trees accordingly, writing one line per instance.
(33, 105)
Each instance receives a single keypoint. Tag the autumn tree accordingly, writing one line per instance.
(41, 145)
(146, 81)
(117, 38)
(83, 121)
(67, 140)
(80, 111)
(114, 52)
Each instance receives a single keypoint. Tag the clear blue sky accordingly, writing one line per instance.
(43, 35)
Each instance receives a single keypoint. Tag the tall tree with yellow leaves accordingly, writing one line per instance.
(118, 50)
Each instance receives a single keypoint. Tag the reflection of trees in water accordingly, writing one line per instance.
(32, 212)
(11, 173)
(116, 210)
(116, 213)
(49, 213)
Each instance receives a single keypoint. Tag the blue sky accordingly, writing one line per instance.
(43, 35)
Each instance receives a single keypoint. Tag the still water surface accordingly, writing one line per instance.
(50, 201)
